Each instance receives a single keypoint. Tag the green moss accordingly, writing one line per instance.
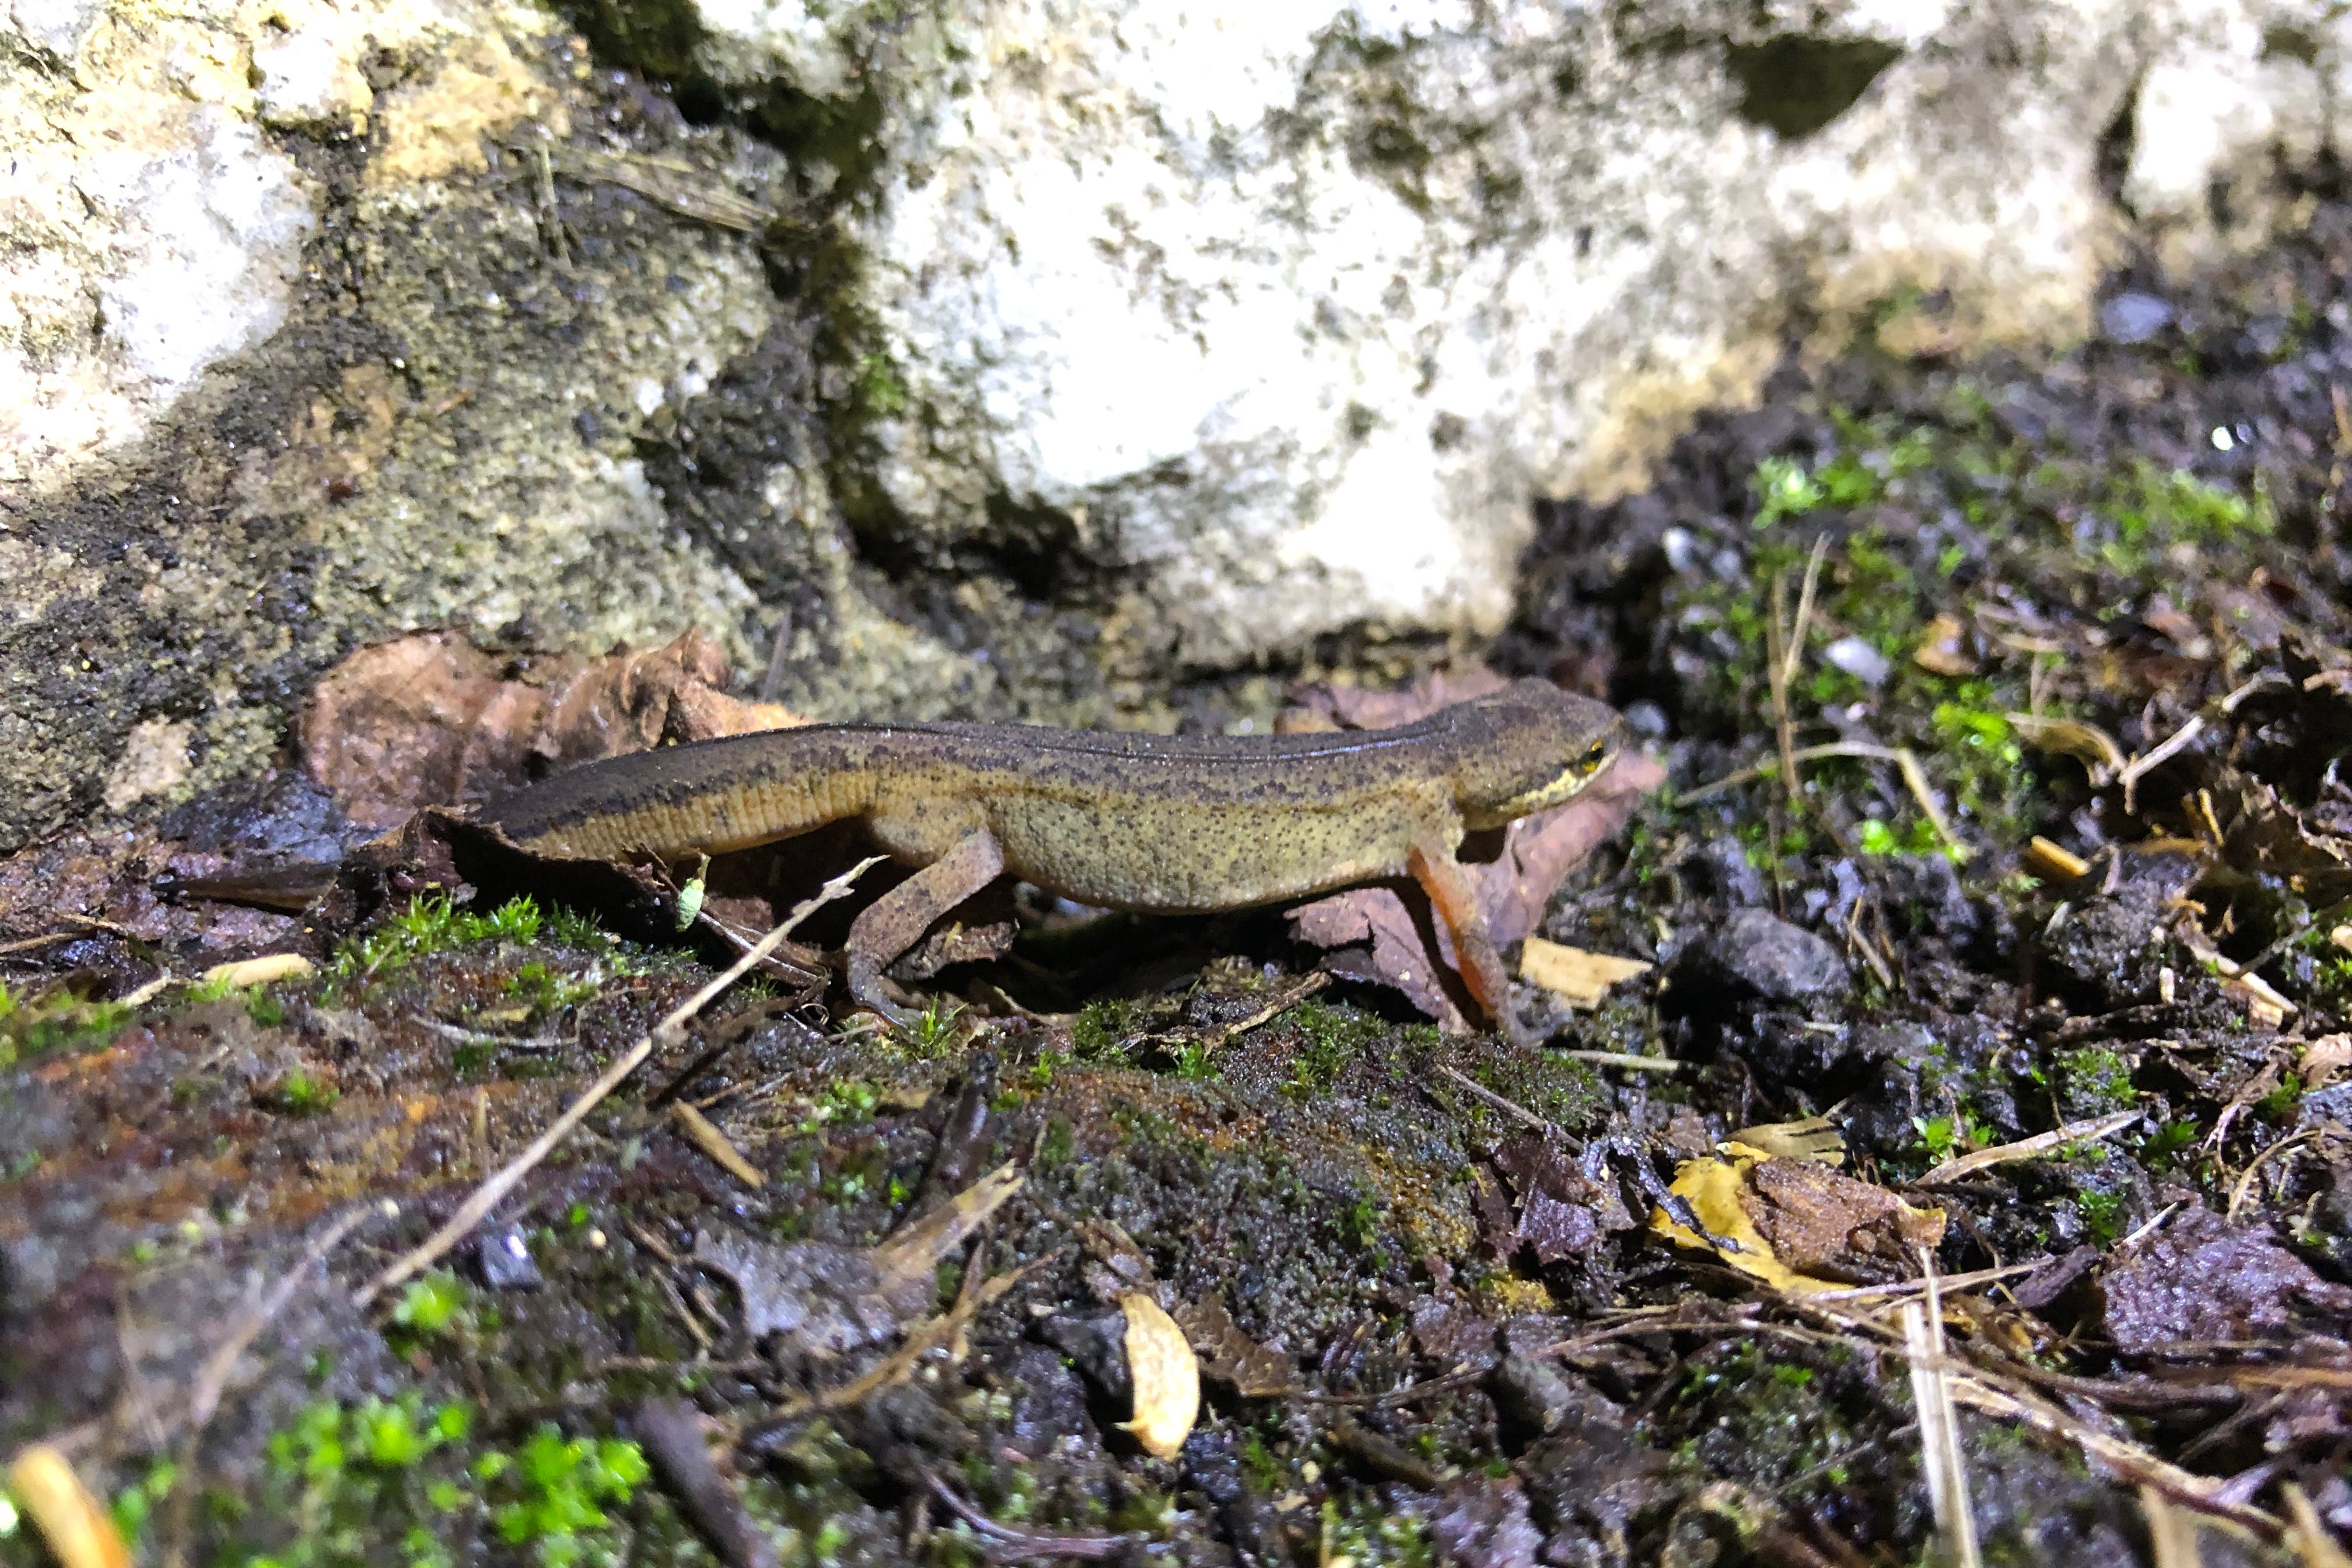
(2094, 1082)
(299, 1094)
(1097, 1033)
(1329, 1039)
(2103, 1216)
(545, 991)
(429, 925)
(1361, 1529)
(433, 1304)
(556, 1492)
(55, 1019)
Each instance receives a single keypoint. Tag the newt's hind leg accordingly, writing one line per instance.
(1457, 903)
(897, 919)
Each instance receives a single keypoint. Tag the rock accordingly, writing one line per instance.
(2201, 1279)
(504, 1258)
(1757, 956)
(1072, 271)
(2133, 317)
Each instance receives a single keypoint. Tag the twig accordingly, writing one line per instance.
(1915, 778)
(1943, 1282)
(712, 1141)
(1939, 1425)
(1627, 1060)
(205, 1396)
(26, 944)
(2032, 1148)
(1793, 656)
(1511, 1107)
(495, 1188)
(1777, 660)
(1005, 1544)
(2244, 1188)
(2139, 768)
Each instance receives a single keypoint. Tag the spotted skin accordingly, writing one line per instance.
(1164, 824)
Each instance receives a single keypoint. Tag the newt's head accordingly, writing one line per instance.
(1527, 747)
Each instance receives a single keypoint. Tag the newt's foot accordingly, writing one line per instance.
(866, 990)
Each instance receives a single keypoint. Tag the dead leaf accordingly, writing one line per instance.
(1796, 1226)
(1562, 1212)
(1230, 1356)
(1809, 1137)
(911, 1258)
(430, 719)
(1166, 1375)
(1583, 978)
(2323, 1059)
(1940, 651)
(824, 1299)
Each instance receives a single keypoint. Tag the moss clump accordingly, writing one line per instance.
(1327, 1040)
(2094, 1082)
(57, 1019)
(429, 925)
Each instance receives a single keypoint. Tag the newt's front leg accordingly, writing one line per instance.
(1457, 903)
(896, 921)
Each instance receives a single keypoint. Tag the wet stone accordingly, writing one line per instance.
(2133, 317)
(2202, 1281)
(504, 1260)
(1757, 956)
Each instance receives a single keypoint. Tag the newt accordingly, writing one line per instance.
(1157, 824)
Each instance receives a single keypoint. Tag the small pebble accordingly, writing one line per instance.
(1859, 659)
(2134, 318)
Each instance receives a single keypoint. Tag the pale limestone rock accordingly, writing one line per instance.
(1291, 307)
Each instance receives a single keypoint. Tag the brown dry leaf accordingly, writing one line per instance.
(1230, 1355)
(1799, 1227)
(914, 1254)
(1940, 651)
(1166, 1375)
(430, 719)
(1582, 977)
(1538, 854)
(2323, 1059)
(824, 1299)
(79, 1530)
(1562, 1212)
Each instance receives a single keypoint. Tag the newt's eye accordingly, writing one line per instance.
(1595, 756)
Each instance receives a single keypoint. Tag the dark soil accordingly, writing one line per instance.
(2099, 605)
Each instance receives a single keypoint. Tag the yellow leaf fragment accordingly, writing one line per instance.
(1940, 651)
(1166, 1374)
(1582, 978)
(79, 1530)
(2053, 862)
(1825, 1224)
(1712, 1188)
(259, 971)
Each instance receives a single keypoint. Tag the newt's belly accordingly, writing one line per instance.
(1157, 857)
